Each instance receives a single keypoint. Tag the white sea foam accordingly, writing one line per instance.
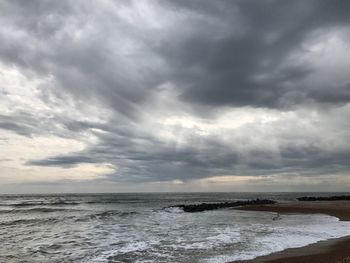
(222, 236)
(291, 231)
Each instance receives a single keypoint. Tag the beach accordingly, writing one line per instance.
(330, 251)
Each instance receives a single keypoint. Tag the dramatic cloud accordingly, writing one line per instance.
(175, 95)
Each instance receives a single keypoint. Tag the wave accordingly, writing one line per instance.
(46, 210)
(172, 209)
(38, 210)
(114, 213)
(59, 203)
(106, 215)
(29, 204)
(55, 203)
(111, 201)
(27, 221)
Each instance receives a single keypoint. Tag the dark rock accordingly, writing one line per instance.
(212, 206)
(329, 198)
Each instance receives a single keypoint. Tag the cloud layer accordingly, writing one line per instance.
(178, 92)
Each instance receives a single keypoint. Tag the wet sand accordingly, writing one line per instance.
(330, 251)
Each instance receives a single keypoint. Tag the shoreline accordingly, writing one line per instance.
(335, 250)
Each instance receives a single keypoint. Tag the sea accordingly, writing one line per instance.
(141, 227)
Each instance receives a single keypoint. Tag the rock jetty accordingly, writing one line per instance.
(212, 206)
(328, 198)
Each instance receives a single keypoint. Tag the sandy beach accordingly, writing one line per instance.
(330, 251)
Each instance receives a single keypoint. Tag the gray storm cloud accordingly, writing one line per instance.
(182, 90)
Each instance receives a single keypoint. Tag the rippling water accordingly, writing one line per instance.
(136, 228)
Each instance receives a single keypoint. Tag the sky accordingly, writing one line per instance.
(185, 95)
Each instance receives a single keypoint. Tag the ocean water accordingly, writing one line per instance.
(136, 228)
